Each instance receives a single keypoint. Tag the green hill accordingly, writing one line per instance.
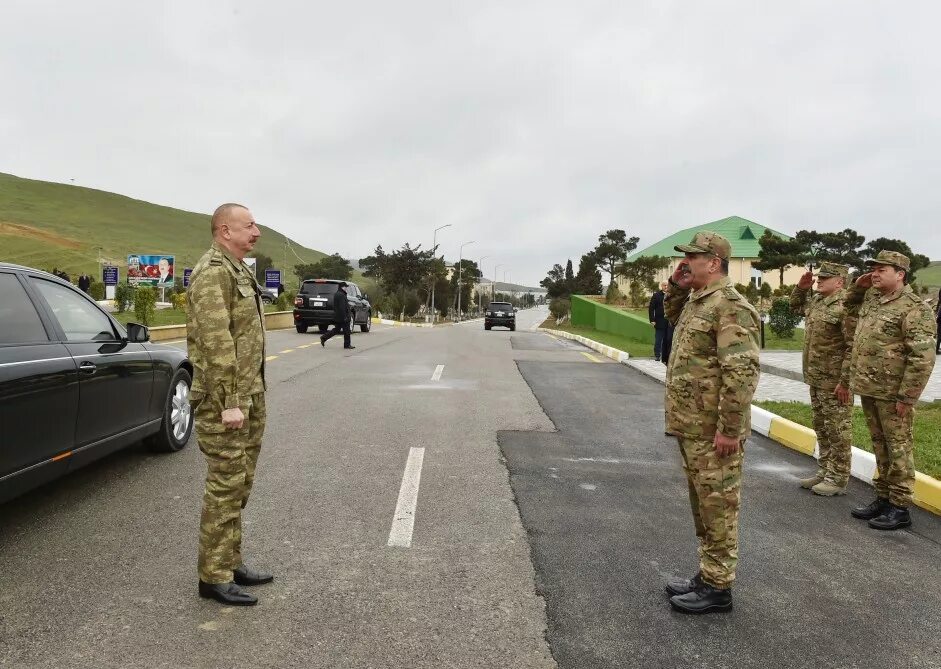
(46, 225)
(930, 275)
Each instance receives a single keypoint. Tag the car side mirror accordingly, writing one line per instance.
(137, 333)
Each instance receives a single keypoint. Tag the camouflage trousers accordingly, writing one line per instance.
(715, 486)
(834, 427)
(893, 444)
(231, 457)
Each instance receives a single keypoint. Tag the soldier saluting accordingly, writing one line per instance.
(893, 355)
(226, 342)
(828, 348)
(711, 377)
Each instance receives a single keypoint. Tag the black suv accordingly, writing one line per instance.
(76, 385)
(500, 313)
(314, 305)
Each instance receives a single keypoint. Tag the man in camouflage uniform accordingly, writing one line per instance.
(893, 355)
(828, 348)
(226, 341)
(711, 377)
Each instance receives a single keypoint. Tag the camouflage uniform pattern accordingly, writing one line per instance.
(893, 357)
(711, 377)
(828, 347)
(226, 342)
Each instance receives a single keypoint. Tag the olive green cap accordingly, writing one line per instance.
(708, 242)
(833, 269)
(893, 258)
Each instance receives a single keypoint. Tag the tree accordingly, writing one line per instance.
(612, 250)
(469, 275)
(569, 277)
(329, 267)
(588, 279)
(778, 254)
(840, 247)
(641, 273)
(554, 283)
(398, 273)
(262, 262)
(885, 244)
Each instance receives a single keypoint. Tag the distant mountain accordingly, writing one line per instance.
(46, 225)
(513, 287)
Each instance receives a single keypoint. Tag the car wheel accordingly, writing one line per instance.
(177, 422)
(486, 327)
(301, 327)
(323, 328)
(365, 326)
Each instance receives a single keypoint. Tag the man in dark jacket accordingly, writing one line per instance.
(341, 315)
(84, 282)
(663, 331)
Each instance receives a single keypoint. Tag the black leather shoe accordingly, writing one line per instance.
(704, 599)
(895, 518)
(322, 341)
(245, 576)
(226, 593)
(349, 347)
(876, 508)
(680, 586)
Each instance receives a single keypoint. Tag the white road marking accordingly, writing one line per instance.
(404, 520)
(439, 370)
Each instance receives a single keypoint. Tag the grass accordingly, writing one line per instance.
(927, 430)
(930, 276)
(46, 225)
(775, 343)
(636, 349)
(165, 316)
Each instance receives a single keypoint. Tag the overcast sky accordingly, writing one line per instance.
(531, 127)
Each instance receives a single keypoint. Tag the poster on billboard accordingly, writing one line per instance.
(150, 270)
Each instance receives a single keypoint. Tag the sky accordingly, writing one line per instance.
(528, 127)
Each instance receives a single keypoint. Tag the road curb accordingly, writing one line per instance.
(792, 435)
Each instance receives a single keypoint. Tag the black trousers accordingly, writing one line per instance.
(663, 343)
(338, 328)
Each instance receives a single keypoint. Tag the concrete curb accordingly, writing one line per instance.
(793, 435)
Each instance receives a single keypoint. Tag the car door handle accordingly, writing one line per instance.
(87, 368)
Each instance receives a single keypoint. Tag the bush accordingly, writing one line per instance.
(123, 297)
(765, 290)
(560, 307)
(145, 301)
(178, 300)
(285, 301)
(97, 290)
(413, 304)
(783, 291)
(612, 295)
(781, 319)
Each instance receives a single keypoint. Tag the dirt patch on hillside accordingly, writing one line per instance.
(19, 230)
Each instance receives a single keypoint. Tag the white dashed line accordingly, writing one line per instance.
(404, 520)
(439, 370)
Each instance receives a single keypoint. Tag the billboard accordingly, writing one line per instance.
(150, 270)
(272, 278)
(109, 275)
(187, 272)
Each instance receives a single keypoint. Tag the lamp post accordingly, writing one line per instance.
(434, 244)
(479, 265)
(459, 268)
(493, 282)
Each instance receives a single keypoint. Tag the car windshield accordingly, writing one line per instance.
(319, 289)
(501, 306)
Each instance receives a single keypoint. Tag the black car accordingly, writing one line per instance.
(314, 305)
(76, 385)
(502, 314)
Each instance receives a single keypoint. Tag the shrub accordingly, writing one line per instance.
(560, 307)
(97, 290)
(413, 304)
(178, 300)
(612, 295)
(781, 319)
(145, 301)
(765, 290)
(123, 297)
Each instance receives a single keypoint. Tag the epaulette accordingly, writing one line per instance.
(731, 293)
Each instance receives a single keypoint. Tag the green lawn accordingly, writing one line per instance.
(927, 430)
(636, 349)
(774, 343)
(166, 316)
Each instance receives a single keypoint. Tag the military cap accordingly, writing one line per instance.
(708, 242)
(893, 258)
(832, 269)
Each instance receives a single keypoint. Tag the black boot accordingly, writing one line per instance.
(876, 508)
(680, 586)
(894, 518)
(226, 593)
(245, 576)
(704, 599)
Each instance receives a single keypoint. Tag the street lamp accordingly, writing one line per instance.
(493, 282)
(434, 244)
(479, 265)
(459, 268)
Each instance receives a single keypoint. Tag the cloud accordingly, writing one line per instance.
(531, 127)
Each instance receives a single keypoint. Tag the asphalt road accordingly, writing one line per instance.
(587, 510)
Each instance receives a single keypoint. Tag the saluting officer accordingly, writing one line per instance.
(893, 355)
(711, 377)
(828, 349)
(226, 341)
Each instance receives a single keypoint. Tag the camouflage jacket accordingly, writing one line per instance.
(828, 338)
(713, 370)
(225, 330)
(893, 351)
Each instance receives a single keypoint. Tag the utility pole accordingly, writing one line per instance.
(479, 265)
(493, 281)
(434, 244)
(460, 264)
